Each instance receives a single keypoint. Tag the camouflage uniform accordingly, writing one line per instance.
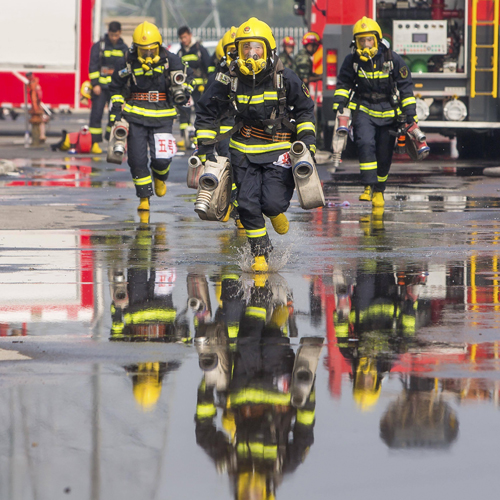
(286, 59)
(303, 65)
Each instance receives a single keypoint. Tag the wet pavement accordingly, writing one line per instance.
(141, 359)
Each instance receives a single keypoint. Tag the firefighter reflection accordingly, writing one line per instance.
(264, 391)
(142, 308)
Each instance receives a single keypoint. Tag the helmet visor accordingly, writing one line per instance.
(252, 49)
(230, 52)
(146, 51)
(366, 41)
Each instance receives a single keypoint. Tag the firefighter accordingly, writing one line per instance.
(197, 58)
(286, 56)
(376, 75)
(303, 64)
(261, 93)
(145, 83)
(105, 55)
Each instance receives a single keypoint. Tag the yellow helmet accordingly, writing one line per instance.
(255, 43)
(367, 384)
(86, 90)
(228, 44)
(366, 27)
(147, 39)
(147, 385)
(219, 51)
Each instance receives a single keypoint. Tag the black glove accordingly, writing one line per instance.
(340, 109)
(410, 119)
(211, 156)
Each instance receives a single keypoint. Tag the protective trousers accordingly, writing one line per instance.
(96, 112)
(375, 147)
(262, 190)
(160, 149)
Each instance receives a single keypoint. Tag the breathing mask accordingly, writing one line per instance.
(363, 51)
(148, 55)
(252, 56)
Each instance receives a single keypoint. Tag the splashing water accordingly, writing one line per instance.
(277, 258)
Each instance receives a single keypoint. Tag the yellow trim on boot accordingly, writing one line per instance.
(260, 264)
(280, 223)
(367, 194)
(96, 149)
(144, 204)
(378, 199)
(160, 187)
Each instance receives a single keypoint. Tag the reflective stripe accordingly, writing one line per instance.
(256, 312)
(198, 81)
(211, 69)
(232, 331)
(258, 99)
(158, 69)
(112, 118)
(256, 233)
(113, 53)
(408, 101)
(382, 179)
(259, 148)
(190, 57)
(233, 188)
(306, 126)
(108, 128)
(352, 105)
(312, 148)
(206, 410)
(154, 113)
(161, 172)
(184, 126)
(225, 128)
(371, 76)
(94, 75)
(257, 450)
(117, 98)
(188, 87)
(378, 114)
(305, 417)
(150, 315)
(203, 158)
(342, 93)
(143, 181)
(342, 330)
(104, 80)
(138, 71)
(117, 327)
(368, 166)
(95, 130)
(206, 134)
(230, 277)
(258, 396)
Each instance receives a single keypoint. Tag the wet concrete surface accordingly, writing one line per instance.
(141, 359)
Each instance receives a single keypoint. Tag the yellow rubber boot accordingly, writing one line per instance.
(260, 280)
(378, 199)
(367, 194)
(280, 223)
(96, 149)
(228, 213)
(260, 264)
(238, 223)
(144, 217)
(181, 145)
(160, 188)
(144, 205)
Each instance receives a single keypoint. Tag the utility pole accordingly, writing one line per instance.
(164, 18)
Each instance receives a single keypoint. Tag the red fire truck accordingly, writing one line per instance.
(53, 41)
(451, 48)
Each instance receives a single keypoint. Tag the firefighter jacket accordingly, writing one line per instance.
(198, 59)
(286, 59)
(373, 83)
(146, 95)
(104, 59)
(261, 132)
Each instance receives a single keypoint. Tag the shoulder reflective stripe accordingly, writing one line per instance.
(94, 75)
(150, 315)
(104, 79)
(341, 92)
(206, 134)
(95, 130)
(225, 128)
(153, 113)
(206, 410)
(252, 395)
(382, 179)
(257, 451)
(233, 331)
(161, 172)
(142, 181)
(259, 148)
(377, 114)
(256, 233)
(305, 417)
(408, 101)
(371, 76)
(305, 126)
(256, 312)
(368, 166)
(190, 57)
(117, 98)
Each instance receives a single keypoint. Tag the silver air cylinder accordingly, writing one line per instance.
(304, 370)
(195, 168)
(118, 142)
(214, 190)
(309, 189)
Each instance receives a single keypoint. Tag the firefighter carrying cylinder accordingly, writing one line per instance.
(309, 189)
(118, 142)
(195, 169)
(304, 370)
(214, 190)
(340, 135)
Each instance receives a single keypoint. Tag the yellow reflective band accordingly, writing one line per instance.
(198, 81)
(94, 75)
(117, 98)
(232, 331)
(138, 71)
(352, 106)
(382, 179)
(409, 322)
(381, 310)
(371, 76)
(113, 53)
(112, 118)
(190, 57)
(306, 126)
(161, 172)
(305, 417)
(377, 114)
(251, 395)
(342, 330)
(341, 92)
(368, 166)
(117, 327)
(183, 126)
(203, 158)
(206, 410)
(206, 134)
(95, 130)
(188, 87)
(104, 79)
(256, 312)
(108, 129)
(259, 148)
(151, 316)
(211, 69)
(225, 128)
(234, 277)
(257, 450)
(153, 113)
(143, 181)
(113, 309)
(115, 336)
(408, 101)
(158, 69)
(312, 148)
(234, 186)
(256, 233)
(258, 99)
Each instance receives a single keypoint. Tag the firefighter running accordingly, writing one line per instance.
(262, 92)
(105, 55)
(145, 84)
(376, 75)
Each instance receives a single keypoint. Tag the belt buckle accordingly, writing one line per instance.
(153, 96)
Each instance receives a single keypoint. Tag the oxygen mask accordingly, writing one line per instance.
(252, 57)
(366, 47)
(148, 55)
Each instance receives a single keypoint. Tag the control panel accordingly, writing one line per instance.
(420, 37)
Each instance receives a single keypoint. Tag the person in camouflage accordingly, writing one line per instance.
(286, 56)
(303, 65)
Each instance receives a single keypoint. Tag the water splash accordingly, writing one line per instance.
(278, 258)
